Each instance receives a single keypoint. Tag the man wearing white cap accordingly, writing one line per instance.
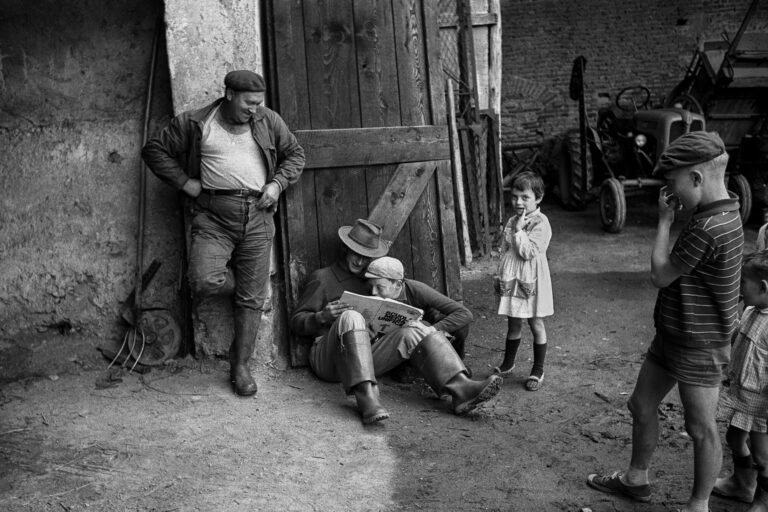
(424, 344)
(386, 277)
(342, 349)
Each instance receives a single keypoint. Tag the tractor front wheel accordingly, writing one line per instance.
(613, 205)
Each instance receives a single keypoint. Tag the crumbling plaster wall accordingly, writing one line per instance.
(73, 82)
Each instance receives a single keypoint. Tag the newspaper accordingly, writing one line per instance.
(381, 315)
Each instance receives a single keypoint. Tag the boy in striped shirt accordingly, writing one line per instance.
(696, 312)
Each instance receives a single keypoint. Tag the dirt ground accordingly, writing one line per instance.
(178, 439)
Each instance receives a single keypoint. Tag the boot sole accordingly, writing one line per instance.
(490, 391)
(376, 417)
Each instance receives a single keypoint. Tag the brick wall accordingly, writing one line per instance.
(625, 44)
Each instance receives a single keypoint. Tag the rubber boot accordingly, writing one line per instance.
(740, 485)
(459, 341)
(240, 351)
(760, 503)
(357, 374)
(444, 371)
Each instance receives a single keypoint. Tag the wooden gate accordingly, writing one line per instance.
(361, 85)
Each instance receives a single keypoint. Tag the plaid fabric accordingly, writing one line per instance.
(748, 370)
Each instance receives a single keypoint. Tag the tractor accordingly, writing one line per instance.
(615, 159)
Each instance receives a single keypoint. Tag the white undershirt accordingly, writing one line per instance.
(229, 161)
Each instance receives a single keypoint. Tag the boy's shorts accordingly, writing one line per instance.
(691, 365)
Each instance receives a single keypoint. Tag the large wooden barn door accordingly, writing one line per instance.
(360, 83)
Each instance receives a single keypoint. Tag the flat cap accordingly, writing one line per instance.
(244, 80)
(386, 267)
(690, 149)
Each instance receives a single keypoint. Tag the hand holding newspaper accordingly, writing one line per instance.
(381, 315)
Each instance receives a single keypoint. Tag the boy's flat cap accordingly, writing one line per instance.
(690, 149)
(244, 80)
(386, 267)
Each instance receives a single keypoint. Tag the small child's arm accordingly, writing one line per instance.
(530, 244)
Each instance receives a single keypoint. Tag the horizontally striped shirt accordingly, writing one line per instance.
(701, 307)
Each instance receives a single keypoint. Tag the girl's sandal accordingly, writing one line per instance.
(498, 371)
(533, 383)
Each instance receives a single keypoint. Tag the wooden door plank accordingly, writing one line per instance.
(290, 63)
(376, 64)
(372, 146)
(427, 255)
(413, 78)
(339, 202)
(402, 192)
(292, 93)
(334, 100)
(435, 65)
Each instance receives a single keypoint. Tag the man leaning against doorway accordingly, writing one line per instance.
(234, 157)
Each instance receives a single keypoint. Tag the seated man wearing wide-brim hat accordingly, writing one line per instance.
(342, 349)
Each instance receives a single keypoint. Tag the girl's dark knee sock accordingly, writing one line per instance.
(510, 353)
(539, 354)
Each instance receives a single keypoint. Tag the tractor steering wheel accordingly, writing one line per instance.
(634, 98)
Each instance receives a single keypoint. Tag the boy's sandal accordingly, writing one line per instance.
(612, 484)
(533, 383)
(498, 371)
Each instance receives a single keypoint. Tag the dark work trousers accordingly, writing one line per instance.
(231, 243)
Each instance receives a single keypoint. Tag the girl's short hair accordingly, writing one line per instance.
(755, 264)
(529, 180)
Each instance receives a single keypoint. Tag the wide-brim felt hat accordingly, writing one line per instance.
(364, 238)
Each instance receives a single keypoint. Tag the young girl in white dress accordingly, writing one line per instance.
(523, 282)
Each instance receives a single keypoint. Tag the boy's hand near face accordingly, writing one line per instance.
(668, 205)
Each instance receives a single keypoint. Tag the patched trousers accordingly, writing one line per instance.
(230, 249)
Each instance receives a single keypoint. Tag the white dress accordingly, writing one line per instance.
(524, 282)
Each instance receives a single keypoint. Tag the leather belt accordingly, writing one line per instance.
(241, 192)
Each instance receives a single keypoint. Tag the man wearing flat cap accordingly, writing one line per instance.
(233, 159)
(695, 315)
(344, 351)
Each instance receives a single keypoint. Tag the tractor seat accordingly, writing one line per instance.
(614, 120)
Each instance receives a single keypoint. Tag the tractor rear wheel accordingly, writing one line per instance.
(573, 194)
(613, 205)
(738, 184)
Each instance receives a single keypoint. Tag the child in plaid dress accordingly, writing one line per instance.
(745, 402)
(523, 282)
